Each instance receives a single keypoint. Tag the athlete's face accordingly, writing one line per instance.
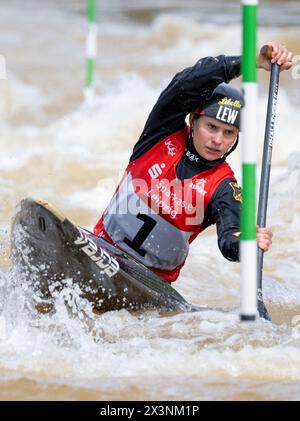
(211, 137)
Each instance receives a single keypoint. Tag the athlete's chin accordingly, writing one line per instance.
(211, 156)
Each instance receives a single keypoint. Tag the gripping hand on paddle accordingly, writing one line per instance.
(264, 238)
(276, 53)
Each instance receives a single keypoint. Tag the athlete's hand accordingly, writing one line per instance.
(280, 55)
(264, 238)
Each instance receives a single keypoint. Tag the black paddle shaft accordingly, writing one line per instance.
(265, 172)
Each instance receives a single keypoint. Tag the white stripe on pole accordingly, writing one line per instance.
(249, 124)
(250, 2)
(91, 41)
(2, 67)
(248, 250)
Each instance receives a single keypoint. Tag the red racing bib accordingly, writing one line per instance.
(154, 216)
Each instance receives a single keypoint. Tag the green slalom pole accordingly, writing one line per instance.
(91, 45)
(248, 244)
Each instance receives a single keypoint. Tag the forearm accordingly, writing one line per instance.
(229, 246)
(225, 212)
(194, 85)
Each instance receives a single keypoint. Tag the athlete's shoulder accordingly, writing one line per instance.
(227, 169)
(171, 145)
(229, 189)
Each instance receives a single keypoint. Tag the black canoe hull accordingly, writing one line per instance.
(47, 249)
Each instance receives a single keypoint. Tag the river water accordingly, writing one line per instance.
(56, 146)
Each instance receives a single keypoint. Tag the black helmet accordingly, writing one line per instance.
(225, 104)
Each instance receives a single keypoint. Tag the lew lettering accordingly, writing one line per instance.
(228, 115)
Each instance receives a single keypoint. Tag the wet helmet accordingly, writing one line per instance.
(225, 104)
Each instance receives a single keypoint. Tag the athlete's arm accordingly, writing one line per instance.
(224, 210)
(184, 93)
